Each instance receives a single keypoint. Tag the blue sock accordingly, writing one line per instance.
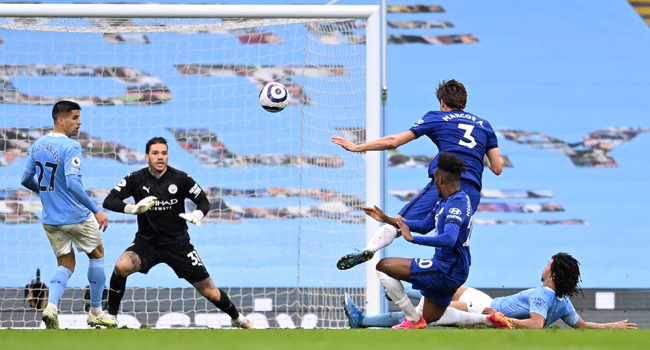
(384, 320)
(97, 279)
(58, 283)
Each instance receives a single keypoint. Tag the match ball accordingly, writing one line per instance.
(274, 97)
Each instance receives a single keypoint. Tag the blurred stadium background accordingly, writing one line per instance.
(562, 81)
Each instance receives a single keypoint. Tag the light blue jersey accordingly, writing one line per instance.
(52, 158)
(540, 300)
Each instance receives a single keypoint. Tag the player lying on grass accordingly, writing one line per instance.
(452, 130)
(437, 278)
(160, 192)
(533, 308)
(69, 215)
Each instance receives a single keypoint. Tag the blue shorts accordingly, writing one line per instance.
(420, 206)
(434, 284)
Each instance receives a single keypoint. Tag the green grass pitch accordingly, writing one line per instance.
(325, 339)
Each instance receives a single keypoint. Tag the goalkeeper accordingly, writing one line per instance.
(160, 192)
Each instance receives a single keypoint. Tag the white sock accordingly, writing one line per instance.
(455, 317)
(240, 319)
(52, 307)
(95, 311)
(382, 238)
(395, 290)
(420, 307)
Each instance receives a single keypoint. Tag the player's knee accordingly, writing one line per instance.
(382, 265)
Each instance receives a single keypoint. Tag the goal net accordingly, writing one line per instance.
(285, 201)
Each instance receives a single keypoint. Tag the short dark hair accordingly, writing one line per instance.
(64, 107)
(451, 164)
(154, 141)
(565, 272)
(453, 93)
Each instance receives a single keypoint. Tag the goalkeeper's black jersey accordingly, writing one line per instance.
(161, 224)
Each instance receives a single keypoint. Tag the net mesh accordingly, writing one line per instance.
(285, 202)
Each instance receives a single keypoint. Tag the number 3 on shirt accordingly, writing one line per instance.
(468, 135)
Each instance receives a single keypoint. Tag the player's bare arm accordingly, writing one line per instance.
(381, 144)
(624, 324)
(406, 231)
(536, 321)
(102, 219)
(494, 160)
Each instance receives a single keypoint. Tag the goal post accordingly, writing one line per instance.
(279, 189)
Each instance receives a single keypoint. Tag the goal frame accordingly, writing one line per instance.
(374, 118)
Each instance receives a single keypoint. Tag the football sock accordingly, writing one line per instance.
(58, 283)
(395, 290)
(454, 317)
(116, 293)
(224, 304)
(382, 238)
(383, 320)
(97, 279)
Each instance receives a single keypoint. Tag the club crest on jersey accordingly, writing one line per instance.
(172, 189)
(76, 161)
(454, 211)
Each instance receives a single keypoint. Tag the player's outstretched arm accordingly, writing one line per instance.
(613, 325)
(382, 144)
(536, 321)
(28, 180)
(494, 160)
(376, 213)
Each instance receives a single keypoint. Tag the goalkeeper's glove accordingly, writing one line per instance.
(193, 217)
(141, 207)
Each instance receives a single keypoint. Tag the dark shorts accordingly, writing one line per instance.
(182, 258)
(434, 284)
(420, 206)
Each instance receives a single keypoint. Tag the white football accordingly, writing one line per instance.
(274, 97)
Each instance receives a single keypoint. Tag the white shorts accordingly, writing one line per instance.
(85, 235)
(476, 300)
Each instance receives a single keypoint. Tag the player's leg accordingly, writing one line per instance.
(473, 192)
(137, 258)
(417, 209)
(187, 264)
(220, 299)
(88, 239)
(65, 257)
(391, 271)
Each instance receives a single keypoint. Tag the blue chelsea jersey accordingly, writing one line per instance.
(461, 133)
(454, 210)
(52, 158)
(540, 300)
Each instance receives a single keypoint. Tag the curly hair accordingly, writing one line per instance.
(451, 163)
(452, 93)
(565, 272)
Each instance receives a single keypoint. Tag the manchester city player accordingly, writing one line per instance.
(68, 214)
(452, 130)
(532, 308)
(160, 192)
(437, 278)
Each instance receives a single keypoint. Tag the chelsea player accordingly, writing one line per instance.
(533, 308)
(452, 130)
(437, 278)
(69, 215)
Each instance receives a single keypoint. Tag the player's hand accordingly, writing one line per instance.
(344, 143)
(375, 213)
(193, 217)
(489, 311)
(624, 325)
(102, 219)
(406, 231)
(141, 207)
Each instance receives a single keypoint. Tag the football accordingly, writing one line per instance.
(274, 97)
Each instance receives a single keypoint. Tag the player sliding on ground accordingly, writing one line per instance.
(69, 215)
(452, 130)
(533, 308)
(160, 192)
(437, 278)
